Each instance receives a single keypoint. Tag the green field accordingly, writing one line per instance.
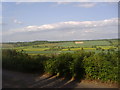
(56, 47)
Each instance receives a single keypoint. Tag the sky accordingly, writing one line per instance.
(54, 21)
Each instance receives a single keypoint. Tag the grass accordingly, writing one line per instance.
(35, 49)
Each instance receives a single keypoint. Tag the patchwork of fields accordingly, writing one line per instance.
(56, 47)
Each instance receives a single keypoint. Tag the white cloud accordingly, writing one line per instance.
(67, 26)
(88, 31)
(63, 3)
(78, 4)
(17, 22)
(17, 3)
(86, 5)
(65, 30)
(36, 28)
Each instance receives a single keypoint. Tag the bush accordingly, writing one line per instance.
(76, 68)
(21, 62)
(101, 66)
(80, 64)
(50, 66)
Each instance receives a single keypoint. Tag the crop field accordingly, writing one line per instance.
(85, 44)
(56, 47)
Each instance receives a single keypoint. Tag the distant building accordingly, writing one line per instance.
(78, 42)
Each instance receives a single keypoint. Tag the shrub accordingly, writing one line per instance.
(101, 66)
(21, 61)
(80, 64)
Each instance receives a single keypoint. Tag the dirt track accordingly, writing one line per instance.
(12, 79)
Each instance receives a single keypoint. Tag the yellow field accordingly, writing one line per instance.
(34, 49)
(105, 47)
(74, 49)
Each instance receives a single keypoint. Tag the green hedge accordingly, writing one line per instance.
(22, 62)
(80, 64)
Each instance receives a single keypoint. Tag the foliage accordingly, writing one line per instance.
(103, 66)
(60, 64)
(80, 64)
(22, 62)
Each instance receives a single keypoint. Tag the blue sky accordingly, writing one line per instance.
(59, 21)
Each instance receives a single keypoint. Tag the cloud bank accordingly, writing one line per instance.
(66, 31)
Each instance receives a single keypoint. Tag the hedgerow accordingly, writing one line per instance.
(80, 64)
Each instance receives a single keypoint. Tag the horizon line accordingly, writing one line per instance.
(58, 40)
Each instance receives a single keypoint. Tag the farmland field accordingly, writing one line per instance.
(56, 47)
